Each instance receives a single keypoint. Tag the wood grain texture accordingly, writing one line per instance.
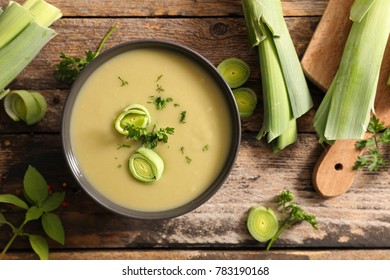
(173, 8)
(214, 38)
(209, 255)
(359, 219)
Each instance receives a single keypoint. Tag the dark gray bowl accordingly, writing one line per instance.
(72, 160)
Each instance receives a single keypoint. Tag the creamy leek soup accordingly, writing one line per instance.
(193, 156)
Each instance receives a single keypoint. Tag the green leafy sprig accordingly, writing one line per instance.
(149, 138)
(39, 204)
(264, 226)
(70, 67)
(373, 158)
(160, 102)
(291, 213)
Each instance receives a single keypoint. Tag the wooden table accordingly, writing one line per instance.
(355, 225)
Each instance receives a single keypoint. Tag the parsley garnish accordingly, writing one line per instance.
(205, 148)
(70, 67)
(123, 146)
(373, 158)
(123, 82)
(160, 102)
(151, 138)
(188, 159)
(183, 116)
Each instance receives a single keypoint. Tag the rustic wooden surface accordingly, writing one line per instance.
(355, 225)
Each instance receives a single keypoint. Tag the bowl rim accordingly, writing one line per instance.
(71, 158)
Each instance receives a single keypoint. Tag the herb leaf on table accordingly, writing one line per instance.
(39, 204)
(70, 67)
(264, 226)
(373, 158)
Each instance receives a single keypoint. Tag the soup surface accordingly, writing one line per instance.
(193, 156)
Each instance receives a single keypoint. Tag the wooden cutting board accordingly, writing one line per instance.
(333, 174)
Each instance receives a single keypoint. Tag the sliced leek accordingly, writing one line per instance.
(146, 165)
(246, 100)
(262, 223)
(3, 93)
(345, 110)
(27, 106)
(285, 92)
(235, 71)
(134, 114)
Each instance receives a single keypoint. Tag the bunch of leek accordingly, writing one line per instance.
(285, 92)
(345, 110)
(23, 33)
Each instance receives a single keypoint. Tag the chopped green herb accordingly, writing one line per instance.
(123, 82)
(70, 67)
(205, 148)
(373, 158)
(176, 105)
(188, 159)
(149, 139)
(159, 88)
(182, 150)
(159, 78)
(183, 116)
(160, 102)
(123, 146)
(119, 165)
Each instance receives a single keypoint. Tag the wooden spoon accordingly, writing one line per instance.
(333, 174)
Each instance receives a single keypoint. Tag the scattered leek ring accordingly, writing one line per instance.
(28, 106)
(246, 100)
(146, 165)
(134, 114)
(262, 223)
(235, 71)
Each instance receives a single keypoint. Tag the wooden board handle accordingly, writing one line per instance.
(333, 173)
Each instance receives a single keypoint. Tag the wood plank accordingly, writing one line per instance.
(358, 219)
(214, 38)
(173, 8)
(207, 255)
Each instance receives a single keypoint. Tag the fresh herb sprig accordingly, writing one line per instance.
(70, 67)
(160, 102)
(39, 204)
(291, 213)
(264, 226)
(373, 158)
(149, 138)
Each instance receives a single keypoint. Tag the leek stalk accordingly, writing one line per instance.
(285, 92)
(23, 33)
(345, 110)
(16, 55)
